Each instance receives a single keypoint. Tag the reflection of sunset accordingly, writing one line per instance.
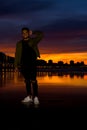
(85, 77)
(64, 80)
(15, 80)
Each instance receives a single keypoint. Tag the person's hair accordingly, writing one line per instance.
(25, 28)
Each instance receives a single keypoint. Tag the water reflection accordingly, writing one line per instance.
(61, 74)
(63, 79)
(5, 78)
(2, 79)
(60, 78)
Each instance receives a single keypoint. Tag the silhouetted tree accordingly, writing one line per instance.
(60, 63)
(50, 62)
(82, 63)
(41, 63)
(71, 62)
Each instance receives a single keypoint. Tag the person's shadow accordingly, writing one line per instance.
(30, 105)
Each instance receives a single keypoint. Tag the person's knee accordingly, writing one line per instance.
(34, 81)
(27, 81)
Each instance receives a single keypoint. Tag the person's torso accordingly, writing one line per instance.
(28, 54)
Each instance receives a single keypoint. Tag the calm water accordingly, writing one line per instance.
(46, 78)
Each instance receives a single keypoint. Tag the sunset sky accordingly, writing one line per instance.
(63, 22)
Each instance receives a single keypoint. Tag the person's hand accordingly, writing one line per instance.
(30, 32)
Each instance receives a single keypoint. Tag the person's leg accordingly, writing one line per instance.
(35, 92)
(28, 87)
(26, 74)
(33, 75)
(34, 84)
(35, 87)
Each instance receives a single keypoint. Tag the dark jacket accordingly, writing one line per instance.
(32, 43)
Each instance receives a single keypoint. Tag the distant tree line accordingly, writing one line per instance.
(59, 63)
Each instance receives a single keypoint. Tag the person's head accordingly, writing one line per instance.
(25, 33)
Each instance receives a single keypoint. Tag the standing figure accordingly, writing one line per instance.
(25, 59)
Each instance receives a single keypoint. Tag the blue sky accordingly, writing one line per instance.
(56, 18)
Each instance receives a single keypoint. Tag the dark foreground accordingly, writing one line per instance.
(60, 108)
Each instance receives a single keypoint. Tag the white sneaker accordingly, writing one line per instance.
(36, 101)
(27, 99)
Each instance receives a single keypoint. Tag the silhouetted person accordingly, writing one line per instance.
(25, 58)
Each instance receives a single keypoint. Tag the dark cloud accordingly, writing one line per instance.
(23, 6)
(66, 24)
(10, 29)
(7, 30)
(50, 16)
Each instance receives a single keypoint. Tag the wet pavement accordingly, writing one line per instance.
(61, 107)
(57, 106)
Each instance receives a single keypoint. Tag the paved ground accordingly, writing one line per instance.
(59, 107)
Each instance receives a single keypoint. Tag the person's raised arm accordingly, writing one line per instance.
(37, 36)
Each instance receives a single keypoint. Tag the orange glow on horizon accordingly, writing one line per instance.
(65, 57)
(9, 51)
